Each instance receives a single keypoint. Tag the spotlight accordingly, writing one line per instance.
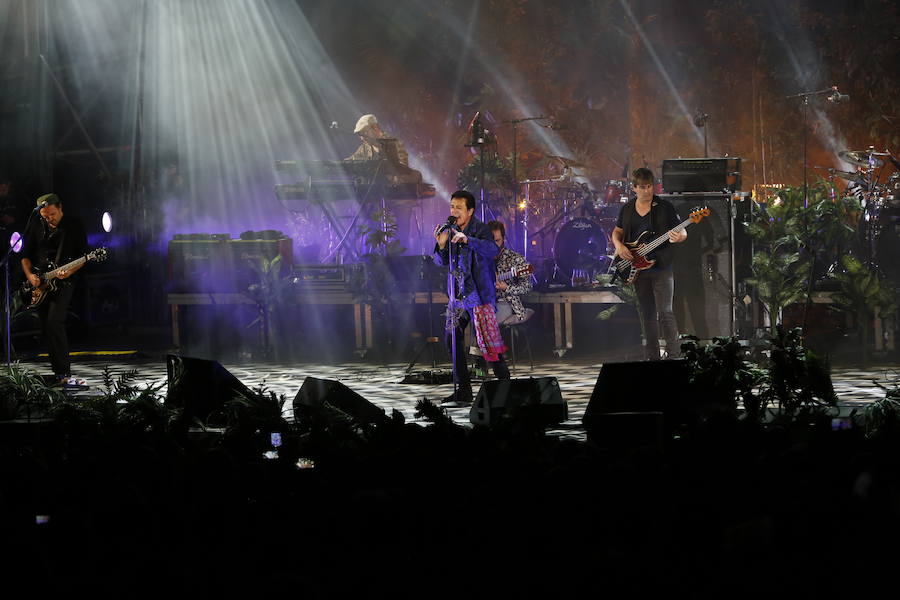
(15, 241)
(106, 222)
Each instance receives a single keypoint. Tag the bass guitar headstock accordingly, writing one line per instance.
(699, 213)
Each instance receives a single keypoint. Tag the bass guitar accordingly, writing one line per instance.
(628, 269)
(33, 296)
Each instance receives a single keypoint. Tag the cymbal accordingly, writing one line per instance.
(848, 175)
(569, 162)
(861, 157)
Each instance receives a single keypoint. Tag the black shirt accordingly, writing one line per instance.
(42, 243)
(661, 218)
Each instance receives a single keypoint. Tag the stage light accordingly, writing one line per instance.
(15, 241)
(106, 222)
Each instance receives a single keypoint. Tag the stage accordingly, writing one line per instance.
(381, 383)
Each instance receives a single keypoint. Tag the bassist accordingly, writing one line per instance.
(650, 215)
(54, 240)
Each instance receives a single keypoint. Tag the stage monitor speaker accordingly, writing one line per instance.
(704, 285)
(534, 398)
(201, 388)
(639, 387)
(316, 393)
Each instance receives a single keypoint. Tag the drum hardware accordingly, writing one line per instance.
(525, 204)
(863, 158)
(515, 175)
(848, 175)
(567, 162)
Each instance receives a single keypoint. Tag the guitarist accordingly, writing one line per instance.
(58, 240)
(509, 302)
(651, 216)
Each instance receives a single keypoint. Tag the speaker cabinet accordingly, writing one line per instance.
(108, 298)
(632, 389)
(317, 393)
(201, 388)
(706, 267)
(534, 398)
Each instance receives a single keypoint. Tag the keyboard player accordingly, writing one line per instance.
(379, 146)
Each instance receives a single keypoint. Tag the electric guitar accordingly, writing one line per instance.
(628, 269)
(33, 296)
(515, 272)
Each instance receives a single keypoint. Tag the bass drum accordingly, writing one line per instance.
(887, 244)
(581, 247)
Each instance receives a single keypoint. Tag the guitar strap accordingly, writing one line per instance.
(626, 219)
(632, 208)
(62, 240)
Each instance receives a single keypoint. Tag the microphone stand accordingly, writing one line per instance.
(7, 311)
(478, 140)
(451, 306)
(431, 341)
(700, 121)
(7, 308)
(515, 176)
(804, 98)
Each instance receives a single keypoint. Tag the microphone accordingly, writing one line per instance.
(451, 221)
(836, 97)
(700, 118)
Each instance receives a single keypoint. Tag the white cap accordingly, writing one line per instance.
(365, 122)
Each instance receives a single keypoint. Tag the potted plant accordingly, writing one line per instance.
(862, 294)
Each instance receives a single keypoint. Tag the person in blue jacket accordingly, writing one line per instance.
(473, 293)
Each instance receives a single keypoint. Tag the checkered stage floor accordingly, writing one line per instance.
(380, 384)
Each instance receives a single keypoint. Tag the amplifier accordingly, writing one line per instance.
(217, 263)
(321, 275)
(701, 175)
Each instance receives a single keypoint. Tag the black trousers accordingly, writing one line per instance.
(655, 290)
(52, 313)
(501, 371)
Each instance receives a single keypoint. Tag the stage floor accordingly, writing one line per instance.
(380, 384)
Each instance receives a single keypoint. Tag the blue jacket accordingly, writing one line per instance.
(475, 261)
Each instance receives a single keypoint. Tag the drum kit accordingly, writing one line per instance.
(879, 198)
(577, 220)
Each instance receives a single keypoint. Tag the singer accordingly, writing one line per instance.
(655, 287)
(474, 289)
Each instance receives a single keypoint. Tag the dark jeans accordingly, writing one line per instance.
(52, 313)
(655, 290)
(501, 371)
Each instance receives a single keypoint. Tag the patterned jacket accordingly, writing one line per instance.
(517, 286)
(475, 265)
